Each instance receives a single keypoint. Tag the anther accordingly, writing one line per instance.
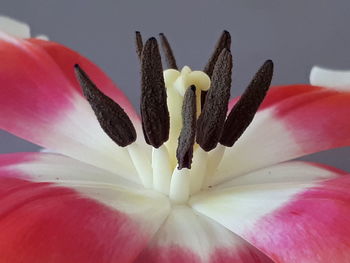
(168, 52)
(223, 42)
(154, 109)
(212, 118)
(184, 151)
(245, 109)
(112, 118)
(139, 44)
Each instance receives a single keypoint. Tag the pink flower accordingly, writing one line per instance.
(91, 200)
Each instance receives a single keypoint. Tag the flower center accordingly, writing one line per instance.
(184, 116)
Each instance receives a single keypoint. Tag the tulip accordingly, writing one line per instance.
(196, 178)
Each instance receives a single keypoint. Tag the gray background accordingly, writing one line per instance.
(295, 34)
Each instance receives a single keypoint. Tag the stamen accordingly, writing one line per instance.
(154, 109)
(169, 55)
(112, 118)
(244, 110)
(139, 44)
(139, 48)
(184, 151)
(180, 186)
(162, 169)
(142, 164)
(211, 121)
(223, 42)
(198, 170)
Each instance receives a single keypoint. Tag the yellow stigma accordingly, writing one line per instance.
(176, 83)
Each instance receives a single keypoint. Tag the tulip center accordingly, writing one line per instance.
(184, 116)
(173, 173)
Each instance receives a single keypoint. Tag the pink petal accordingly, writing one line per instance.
(191, 238)
(41, 102)
(72, 220)
(294, 121)
(293, 212)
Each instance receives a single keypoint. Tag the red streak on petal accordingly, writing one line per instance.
(246, 254)
(32, 86)
(175, 254)
(171, 254)
(278, 94)
(15, 158)
(318, 121)
(42, 223)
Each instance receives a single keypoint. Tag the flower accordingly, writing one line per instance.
(91, 200)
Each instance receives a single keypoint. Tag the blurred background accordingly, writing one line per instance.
(295, 34)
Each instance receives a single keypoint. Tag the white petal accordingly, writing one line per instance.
(88, 180)
(14, 27)
(188, 237)
(42, 37)
(53, 205)
(239, 203)
(338, 79)
(285, 211)
(295, 121)
(266, 141)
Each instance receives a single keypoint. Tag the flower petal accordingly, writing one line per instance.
(74, 219)
(40, 103)
(339, 79)
(188, 237)
(14, 27)
(278, 94)
(289, 125)
(304, 216)
(66, 58)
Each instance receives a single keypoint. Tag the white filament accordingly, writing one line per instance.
(180, 186)
(161, 172)
(142, 164)
(215, 157)
(161, 169)
(198, 170)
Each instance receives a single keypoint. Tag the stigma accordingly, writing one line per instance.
(184, 116)
(176, 83)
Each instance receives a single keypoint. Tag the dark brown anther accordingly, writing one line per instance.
(244, 110)
(212, 118)
(223, 42)
(168, 52)
(184, 152)
(139, 44)
(112, 118)
(154, 109)
(139, 48)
